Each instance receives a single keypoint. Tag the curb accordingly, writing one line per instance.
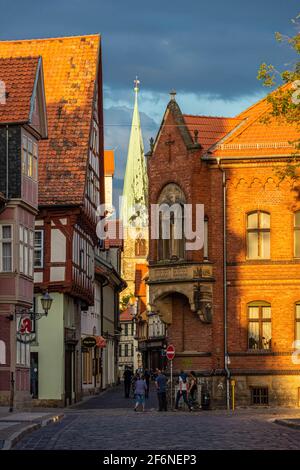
(17, 436)
(287, 423)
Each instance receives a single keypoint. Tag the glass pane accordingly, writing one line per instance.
(252, 245)
(25, 235)
(253, 312)
(266, 335)
(297, 330)
(252, 220)
(37, 239)
(6, 232)
(297, 219)
(297, 243)
(21, 233)
(253, 338)
(30, 146)
(298, 311)
(31, 238)
(30, 165)
(264, 220)
(266, 312)
(6, 256)
(265, 245)
(21, 258)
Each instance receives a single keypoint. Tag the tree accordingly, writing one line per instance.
(285, 100)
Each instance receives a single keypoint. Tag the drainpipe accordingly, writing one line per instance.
(225, 285)
(6, 162)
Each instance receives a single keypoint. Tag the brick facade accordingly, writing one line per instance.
(251, 185)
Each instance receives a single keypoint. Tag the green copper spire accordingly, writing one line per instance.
(135, 189)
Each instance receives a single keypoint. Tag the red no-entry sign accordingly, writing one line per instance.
(170, 352)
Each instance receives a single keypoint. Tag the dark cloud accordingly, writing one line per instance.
(196, 46)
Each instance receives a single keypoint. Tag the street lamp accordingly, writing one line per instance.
(46, 302)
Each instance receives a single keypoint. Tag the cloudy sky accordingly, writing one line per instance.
(208, 50)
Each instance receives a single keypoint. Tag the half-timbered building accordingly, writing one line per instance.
(71, 185)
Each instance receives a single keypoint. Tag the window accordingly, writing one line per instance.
(140, 247)
(297, 321)
(38, 248)
(171, 223)
(26, 251)
(297, 234)
(126, 350)
(6, 248)
(259, 326)
(2, 352)
(258, 235)
(29, 157)
(260, 396)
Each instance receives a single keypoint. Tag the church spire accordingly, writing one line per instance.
(135, 189)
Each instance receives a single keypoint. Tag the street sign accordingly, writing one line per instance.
(88, 342)
(170, 352)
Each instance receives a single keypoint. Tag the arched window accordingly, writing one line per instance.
(259, 325)
(171, 223)
(140, 247)
(2, 352)
(258, 235)
(297, 322)
(297, 234)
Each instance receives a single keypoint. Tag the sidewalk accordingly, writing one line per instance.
(13, 426)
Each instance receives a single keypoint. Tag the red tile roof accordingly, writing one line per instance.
(256, 137)
(210, 129)
(18, 78)
(126, 315)
(70, 69)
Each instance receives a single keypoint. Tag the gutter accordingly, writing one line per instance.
(6, 189)
(225, 285)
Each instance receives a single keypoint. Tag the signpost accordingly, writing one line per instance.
(170, 353)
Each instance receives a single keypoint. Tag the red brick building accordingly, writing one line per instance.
(232, 308)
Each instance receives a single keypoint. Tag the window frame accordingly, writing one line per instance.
(40, 249)
(296, 230)
(6, 240)
(297, 320)
(260, 320)
(260, 396)
(259, 232)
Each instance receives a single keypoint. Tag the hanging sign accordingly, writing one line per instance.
(89, 342)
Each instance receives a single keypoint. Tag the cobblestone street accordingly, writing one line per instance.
(108, 422)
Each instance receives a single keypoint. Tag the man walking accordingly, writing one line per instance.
(161, 388)
(127, 381)
(183, 390)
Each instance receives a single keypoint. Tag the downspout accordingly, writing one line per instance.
(225, 285)
(6, 194)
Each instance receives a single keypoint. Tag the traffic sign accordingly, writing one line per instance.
(170, 352)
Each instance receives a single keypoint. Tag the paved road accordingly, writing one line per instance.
(108, 422)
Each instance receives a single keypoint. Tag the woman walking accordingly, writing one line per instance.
(140, 390)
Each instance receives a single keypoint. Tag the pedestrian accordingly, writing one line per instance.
(183, 390)
(147, 378)
(140, 390)
(192, 385)
(161, 388)
(127, 376)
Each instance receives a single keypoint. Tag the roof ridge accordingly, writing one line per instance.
(52, 38)
(210, 117)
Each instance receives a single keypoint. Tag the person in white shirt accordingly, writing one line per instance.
(183, 390)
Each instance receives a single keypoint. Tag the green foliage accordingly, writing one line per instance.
(124, 301)
(285, 100)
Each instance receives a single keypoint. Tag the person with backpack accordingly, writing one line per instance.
(183, 390)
